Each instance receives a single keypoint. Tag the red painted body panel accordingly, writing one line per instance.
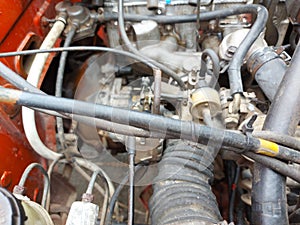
(22, 27)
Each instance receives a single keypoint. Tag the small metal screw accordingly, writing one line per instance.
(230, 51)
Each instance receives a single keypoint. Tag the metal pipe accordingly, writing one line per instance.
(269, 187)
(106, 196)
(93, 167)
(92, 182)
(157, 91)
(115, 196)
(49, 172)
(118, 128)
(46, 180)
(131, 157)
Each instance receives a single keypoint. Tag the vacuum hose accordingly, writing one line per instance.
(182, 194)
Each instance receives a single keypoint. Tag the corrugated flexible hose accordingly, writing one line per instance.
(182, 193)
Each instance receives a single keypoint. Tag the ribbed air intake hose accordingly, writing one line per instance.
(182, 194)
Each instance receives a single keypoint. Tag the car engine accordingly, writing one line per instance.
(149, 112)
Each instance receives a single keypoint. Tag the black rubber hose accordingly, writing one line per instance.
(204, 16)
(215, 63)
(269, 188)
(155, 64)
(59, 82)
(22, 84)
(276, 165)
(269, 81)
(155, 123)
(62, 62)
(114, 198)
(282, 139)
(233, 193)
(19, 82)
(234, 69)
(262, 65)
(176, 128)
(181, 193)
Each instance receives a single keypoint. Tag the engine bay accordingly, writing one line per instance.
(149, 112)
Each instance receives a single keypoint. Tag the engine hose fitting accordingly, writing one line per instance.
(182, 194)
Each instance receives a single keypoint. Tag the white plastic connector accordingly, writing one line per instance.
(83, 213)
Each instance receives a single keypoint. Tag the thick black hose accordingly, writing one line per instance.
(182, 194)
(282, 139)
(276, 165)
(155, 65)
(234, 69)
(154, 123)
(22, 84)
(176, 128)
(262, 65)
(59, 82)
(269, 187)
(19, 82)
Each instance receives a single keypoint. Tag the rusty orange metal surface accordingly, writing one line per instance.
(22, 27)
(27, 17)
